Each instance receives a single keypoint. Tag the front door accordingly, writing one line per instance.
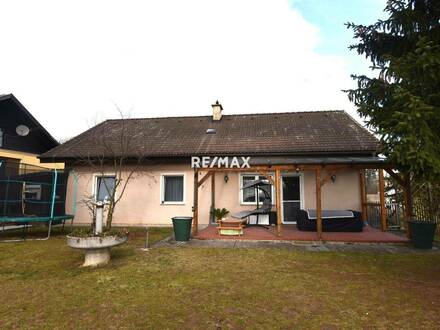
(290, 197)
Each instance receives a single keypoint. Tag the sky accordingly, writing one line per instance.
(72, 62)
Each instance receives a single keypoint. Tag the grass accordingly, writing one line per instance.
(42, 286)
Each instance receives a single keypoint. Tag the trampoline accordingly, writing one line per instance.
(32, 195)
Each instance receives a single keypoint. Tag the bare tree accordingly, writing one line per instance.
(88, 202)
(113, 151)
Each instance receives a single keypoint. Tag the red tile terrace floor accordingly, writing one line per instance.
(291, 233)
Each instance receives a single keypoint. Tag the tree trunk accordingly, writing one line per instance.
(409, 196)
(110, 216)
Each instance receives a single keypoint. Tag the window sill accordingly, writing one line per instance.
(172, 203)
(254, 204)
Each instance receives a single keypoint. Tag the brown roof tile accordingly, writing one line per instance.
(267, 134)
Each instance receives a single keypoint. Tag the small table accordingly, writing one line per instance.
(230, 227)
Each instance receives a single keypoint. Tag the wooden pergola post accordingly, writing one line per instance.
(363, 195)
(196, 202)
(212, 197)
(318, 203)
(278, 199)
(407, 206)
(383, 212)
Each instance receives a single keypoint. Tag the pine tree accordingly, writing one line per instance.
(402, 103)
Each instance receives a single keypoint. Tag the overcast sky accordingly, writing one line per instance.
(69, 62)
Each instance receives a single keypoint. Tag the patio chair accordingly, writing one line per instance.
(265, 208)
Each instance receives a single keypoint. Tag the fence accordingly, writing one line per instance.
(394, 214)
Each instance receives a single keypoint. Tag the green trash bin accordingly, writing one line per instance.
(182, 228)
(422, 233)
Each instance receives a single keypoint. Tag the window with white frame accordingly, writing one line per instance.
(105, 186)
(173, 188)
(32, 191)
(248, 195)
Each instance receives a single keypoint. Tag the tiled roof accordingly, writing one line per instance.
(329, 132)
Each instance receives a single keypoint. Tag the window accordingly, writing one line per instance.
(32, 191)
(105, 186)
(1, 137)
(247, 196)
(173, 188)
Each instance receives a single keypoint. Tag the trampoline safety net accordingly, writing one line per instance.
(31, 191)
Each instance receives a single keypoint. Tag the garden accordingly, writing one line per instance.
(43, 286)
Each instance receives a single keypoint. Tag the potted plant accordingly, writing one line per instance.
(220, 214)
(422, 233)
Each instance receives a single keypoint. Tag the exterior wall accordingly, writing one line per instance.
(27, 158)
(344, 193)
(141, 203)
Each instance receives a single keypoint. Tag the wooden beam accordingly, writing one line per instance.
(264, 168)
(196, 202)
(328, 177)
(278, 200)
(395, 176)
(267, 175)
(318, 203)
(383, 211)
(206, 177)
(212, 197)
(296, 167)
(363, 195)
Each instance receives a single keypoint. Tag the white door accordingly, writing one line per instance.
(291, 200)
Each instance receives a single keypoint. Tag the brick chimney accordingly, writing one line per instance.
(217, 111)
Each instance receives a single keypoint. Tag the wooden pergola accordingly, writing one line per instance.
(267, 170)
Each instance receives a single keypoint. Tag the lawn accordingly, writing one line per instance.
(42, 286)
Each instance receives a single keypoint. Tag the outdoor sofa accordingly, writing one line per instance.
(332, 220)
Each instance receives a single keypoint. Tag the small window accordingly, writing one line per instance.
(172, 188)
(211, 131)
(105, 186)
(32, 191)
(1, 137)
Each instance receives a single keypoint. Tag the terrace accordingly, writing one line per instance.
(324, 169)
(291, 233)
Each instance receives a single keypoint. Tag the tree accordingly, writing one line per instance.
(115, 154)
(402, 102)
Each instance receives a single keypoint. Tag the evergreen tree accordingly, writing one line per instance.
(402, 102)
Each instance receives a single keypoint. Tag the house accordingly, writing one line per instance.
(30, 194)
(22, 137)
(296, 148)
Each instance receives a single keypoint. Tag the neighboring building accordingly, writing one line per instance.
(165, 186)
(22, 137)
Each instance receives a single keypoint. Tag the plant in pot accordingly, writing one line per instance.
(116, 164)
(220, 214)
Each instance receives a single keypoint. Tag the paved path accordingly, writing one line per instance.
(297, 246)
